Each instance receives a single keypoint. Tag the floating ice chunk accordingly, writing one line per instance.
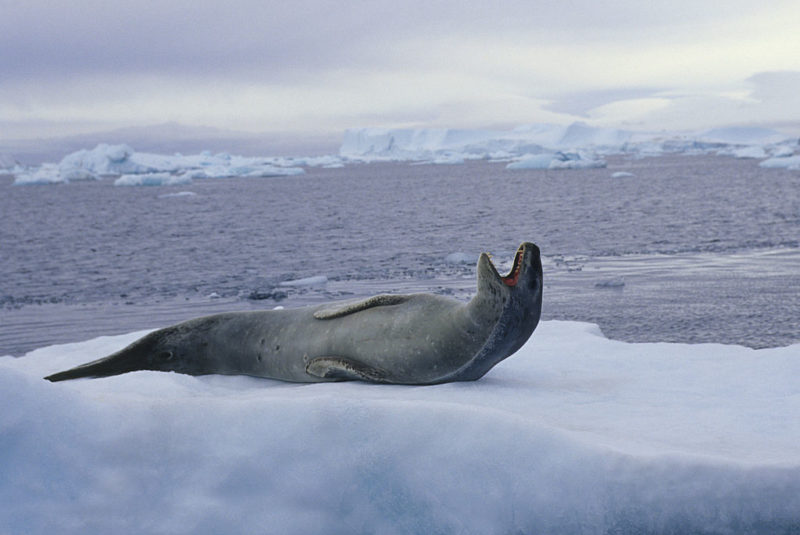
(104, 159)
(460, 258)
(621, 174)
(327, 161)
(536, 161)
(152, 179)
(788, 162)
(753, 151)
(266, 171)
(177, 194)
(782, 150)
(319, 280)
(577, 163)
(47, 173)
(448, 159)
(617, 282)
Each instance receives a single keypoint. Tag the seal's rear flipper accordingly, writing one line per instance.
(140, 355)
(98, 368)
(345, 369)
(343, 309)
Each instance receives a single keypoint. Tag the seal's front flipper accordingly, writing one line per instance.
(337, 310)
(345, 369)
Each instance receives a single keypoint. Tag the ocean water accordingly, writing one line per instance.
(689, 249)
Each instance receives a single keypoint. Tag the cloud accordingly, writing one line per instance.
(312, 64)
(580, 104)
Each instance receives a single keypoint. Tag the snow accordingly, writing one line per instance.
(573, 434)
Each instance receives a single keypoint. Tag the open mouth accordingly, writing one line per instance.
(513, 276)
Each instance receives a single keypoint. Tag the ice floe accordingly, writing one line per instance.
(152, 179)
(573, 434)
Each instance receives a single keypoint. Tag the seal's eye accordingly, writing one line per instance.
(165, 355)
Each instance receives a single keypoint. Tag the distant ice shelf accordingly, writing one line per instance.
(543, 146)
(537, 146)
(147, 169)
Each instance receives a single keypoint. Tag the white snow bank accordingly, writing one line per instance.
(153, 179)
(573, 434)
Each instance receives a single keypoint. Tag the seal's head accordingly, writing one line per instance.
(517, 297)
(525, 276)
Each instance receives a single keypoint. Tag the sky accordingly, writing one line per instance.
(314, 67)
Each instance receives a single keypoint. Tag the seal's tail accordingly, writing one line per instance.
(126, 360)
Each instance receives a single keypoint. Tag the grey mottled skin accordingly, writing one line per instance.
(403, 339)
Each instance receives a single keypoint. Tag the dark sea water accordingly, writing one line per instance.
(690, 249)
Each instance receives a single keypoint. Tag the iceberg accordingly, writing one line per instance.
(559, 160)
(785, 162)
(124, 162)
(45, 174)
(152, 179)
(573, 434)
(105, 160)
(751, 152)
(535, 161)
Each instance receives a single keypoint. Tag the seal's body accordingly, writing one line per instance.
(403, 339)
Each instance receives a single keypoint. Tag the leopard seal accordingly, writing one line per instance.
(415, 339)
